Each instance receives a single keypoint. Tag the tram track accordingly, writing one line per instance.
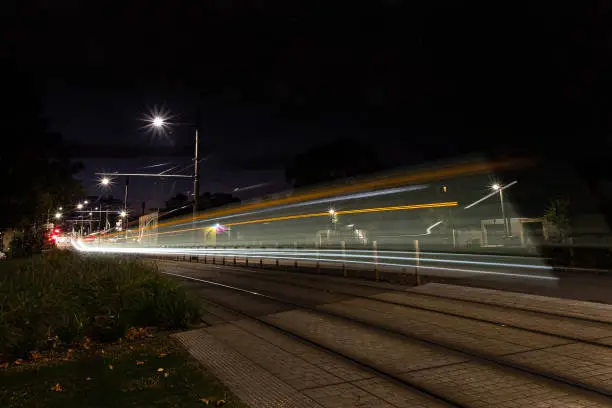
(500, 364)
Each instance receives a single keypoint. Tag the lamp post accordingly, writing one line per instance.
(160, 122)
(498, 188)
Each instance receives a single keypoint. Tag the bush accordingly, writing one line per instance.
(60, 298)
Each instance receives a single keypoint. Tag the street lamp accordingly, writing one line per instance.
(80, 206)
(105, 181)
(122, 214)
(85, 202)
(58, 215)
(497, 187)
(160, 123)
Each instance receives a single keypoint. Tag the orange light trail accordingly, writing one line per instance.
(378, 183)
(321, 214)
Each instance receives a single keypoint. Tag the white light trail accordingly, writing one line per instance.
(490, 195)
(347, 258)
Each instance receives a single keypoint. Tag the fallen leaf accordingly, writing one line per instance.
(110, 367)
(139, 362)
(57, 388)
(159, 370)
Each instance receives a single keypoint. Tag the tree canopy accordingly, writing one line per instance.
(36, 173)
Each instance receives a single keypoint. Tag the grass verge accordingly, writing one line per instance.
(149, 372)
(58, 299)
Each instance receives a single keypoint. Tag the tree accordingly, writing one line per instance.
(36, 172)
(558, 214)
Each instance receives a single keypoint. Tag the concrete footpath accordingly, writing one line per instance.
(265, 368)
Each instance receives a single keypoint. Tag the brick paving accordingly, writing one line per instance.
(584, 368)
(266, 368)
(254, 385)
(526, 319)
(342, 369)
(377, 349)
(471, 383)
(254, 362)
(581, 362)
(485, 337)
(479, 385)
(578, 308)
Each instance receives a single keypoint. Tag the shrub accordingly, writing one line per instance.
(61, 298)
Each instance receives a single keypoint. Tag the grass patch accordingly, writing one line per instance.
(153, 371)
(59, 299)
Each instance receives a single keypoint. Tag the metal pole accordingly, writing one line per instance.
(375, 252)
(125, 197)
(503, 211)
(417, 256)
(196, 181)
(343, 246)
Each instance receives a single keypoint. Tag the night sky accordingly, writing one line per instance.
(415, 80)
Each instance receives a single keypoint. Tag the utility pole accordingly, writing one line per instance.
(127, 182)
(196, 181)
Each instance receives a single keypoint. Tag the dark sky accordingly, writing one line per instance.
(271, 79)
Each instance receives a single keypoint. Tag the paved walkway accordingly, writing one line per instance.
(265, 367)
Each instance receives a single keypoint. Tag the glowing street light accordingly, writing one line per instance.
(58, 215)
(497, 187)
(158, 122)
(122, 214)
(80, 206)
(85, 202)
(332, 212)
(105, 181)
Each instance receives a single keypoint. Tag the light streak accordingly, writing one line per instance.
(467, 207)
(321, 201)
(373, 184)
(145, 175)
(181, 251)
(320, 214)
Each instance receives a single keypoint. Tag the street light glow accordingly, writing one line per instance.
(105, 181)
(122, 214)
(332, 211)
(158, 121)
(85, 202)
(495, 187)
(80, 206)
(58, 215)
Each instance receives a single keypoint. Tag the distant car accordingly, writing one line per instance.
(2, 255)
